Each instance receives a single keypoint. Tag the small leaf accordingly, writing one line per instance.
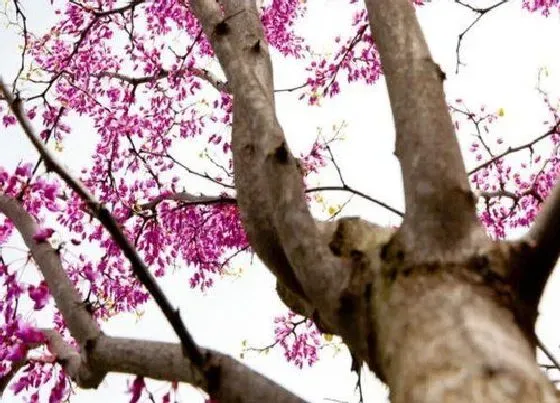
(333, 210)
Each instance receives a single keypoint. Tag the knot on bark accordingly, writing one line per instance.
(281, 154)
(222, 28)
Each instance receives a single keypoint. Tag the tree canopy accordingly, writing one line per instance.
(189, 169)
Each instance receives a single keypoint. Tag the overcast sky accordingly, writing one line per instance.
(503, 55)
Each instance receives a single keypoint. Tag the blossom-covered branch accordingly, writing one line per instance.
(68, 301)
(185, 198)
(529, 145)
(105, 217)
(203, 74)
(222, 377)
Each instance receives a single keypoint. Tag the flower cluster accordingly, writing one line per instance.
(300, 339)
(544, 6)
(511, 188)
(278, 20)
(355, 59)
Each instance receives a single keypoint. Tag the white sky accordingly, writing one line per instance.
(503, 54)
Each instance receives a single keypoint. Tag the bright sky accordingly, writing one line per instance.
(503, 55)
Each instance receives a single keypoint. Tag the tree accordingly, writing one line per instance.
(437, 308)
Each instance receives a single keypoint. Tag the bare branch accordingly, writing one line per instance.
(270, 189)
(291, 89)
(548, 354)
(350, 189)
(228, 380)
(540, 254)
(480, 12)
(25, 36)
(107, 220)
(431, 227)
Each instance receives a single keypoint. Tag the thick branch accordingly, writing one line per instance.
(269, 186)
(440, 210)
(232, 381)
(81, 325)
(542, 249)
(224, 378)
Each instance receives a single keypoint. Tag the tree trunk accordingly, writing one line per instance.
(443, 335)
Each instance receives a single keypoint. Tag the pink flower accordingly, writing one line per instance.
(24, 170)
(16, 352)
(136, 389)
(29, 335)
(9, 120)
(39, 295)
(43, 234)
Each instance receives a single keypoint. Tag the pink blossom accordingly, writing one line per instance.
(39, 295)
(136, 389)
(9, 120)
(16, 352)
(43, 234)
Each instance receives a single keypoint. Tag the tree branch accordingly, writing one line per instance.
(431, 228)
(79, 322)
(552, 130)
(202, 74)
(224, 378)
(269, 186)
(481, 12)
(107, 220)
(232, 381)
(347, 188)
(189, 199)
(186, 198)
(539, 254)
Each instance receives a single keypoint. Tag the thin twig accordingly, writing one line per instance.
(511, 150)
(481, 13)
(548, 354)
